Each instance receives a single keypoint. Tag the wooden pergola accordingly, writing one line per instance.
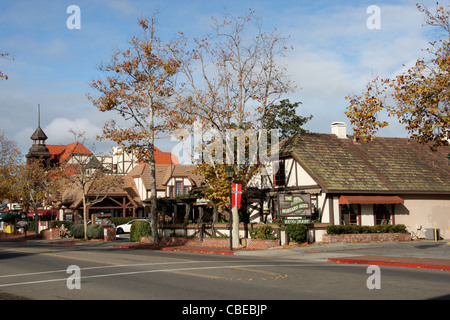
(120, 202)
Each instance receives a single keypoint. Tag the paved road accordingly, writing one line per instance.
(38, 270)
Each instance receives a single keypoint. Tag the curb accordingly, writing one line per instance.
(391, 263)
(71, 243)
(222, 252)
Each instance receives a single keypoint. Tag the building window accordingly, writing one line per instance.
(280, 174)
(171, 193)
(383, 213)
(179, 188)
(186, 190)
(350, 213)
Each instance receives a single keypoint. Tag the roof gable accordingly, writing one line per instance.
(163, 173)
(62, 153)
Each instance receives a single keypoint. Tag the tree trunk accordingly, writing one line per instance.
(36, 225)
(153, 197)
(215, 218)
(85, 218)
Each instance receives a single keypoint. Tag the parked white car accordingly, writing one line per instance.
(125, 228)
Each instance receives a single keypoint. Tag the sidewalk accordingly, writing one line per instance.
(421, 254)
(415, 254)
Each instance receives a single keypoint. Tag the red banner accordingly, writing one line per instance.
(236, 194)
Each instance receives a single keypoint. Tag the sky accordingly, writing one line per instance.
(336, 51)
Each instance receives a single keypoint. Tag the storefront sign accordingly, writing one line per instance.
(294, 221)
(294, 204)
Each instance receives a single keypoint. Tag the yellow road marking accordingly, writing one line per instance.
(259, 271)
(195, 275)
(78, 258)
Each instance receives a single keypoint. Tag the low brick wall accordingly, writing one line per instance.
(258, 244)
(180, 241)
(255, 244)
(173, 241)
(216, 242)
(50, 234)
(109, 234)
(365, 237)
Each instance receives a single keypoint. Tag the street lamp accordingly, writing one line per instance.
(229, 171)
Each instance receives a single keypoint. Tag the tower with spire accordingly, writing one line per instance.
(38, 150)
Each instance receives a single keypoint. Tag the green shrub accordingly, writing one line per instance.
(140, 229)
(93, 231)
(297, 232)
(351, 229)
(264, 233)
(117, 221)
(77, 230)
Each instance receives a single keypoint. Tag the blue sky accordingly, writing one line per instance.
(334, 55)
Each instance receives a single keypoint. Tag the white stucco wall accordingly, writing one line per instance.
(422, 211)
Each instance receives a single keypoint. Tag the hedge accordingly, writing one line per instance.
(117, 221)
(264, 233)
(297, 232)
(354, 229)
(140, 229)
(93, 231)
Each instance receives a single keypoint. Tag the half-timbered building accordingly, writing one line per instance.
(338, 179)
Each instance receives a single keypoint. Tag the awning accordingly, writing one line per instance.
(45, 212)
(9, 216)
(370, 200)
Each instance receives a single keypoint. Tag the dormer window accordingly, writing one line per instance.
(181, 187)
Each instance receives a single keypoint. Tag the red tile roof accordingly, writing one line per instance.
(61, 153)
(164, 157)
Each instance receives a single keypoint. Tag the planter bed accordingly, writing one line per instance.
(365, 237)
(173, 241)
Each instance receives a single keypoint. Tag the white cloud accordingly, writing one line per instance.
(58, 131)
(335, 55)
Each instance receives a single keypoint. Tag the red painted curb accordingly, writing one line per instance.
(199, 251)
(390, 263)
(64, 242)
(174, 249)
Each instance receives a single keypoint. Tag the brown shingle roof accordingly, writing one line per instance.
(163, 173)
(382, 165)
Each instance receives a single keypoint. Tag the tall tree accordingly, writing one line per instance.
(10, 158)
(85, 175)
(419, 98)
(233, 79)
(33, 184)
(139, 83)
(285, 119)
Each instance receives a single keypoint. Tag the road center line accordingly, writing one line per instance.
(154, 271)
(109, 266)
